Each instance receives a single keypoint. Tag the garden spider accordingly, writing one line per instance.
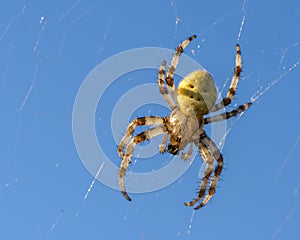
(195, 97)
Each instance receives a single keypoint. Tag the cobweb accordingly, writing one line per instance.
(48, 49)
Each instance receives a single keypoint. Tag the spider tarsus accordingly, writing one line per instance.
(198, 207)
(238, 49)
(126, 196)
(188, 204)
(192, 37)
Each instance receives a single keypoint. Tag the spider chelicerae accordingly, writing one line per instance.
(195, 97)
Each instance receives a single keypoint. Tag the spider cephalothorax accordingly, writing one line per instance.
(196, 96)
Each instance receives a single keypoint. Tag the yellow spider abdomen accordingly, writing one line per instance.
(197, 93)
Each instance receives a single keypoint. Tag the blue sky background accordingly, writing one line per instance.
(47, 49)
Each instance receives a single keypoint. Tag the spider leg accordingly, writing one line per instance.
(186, 156)
(226, 115)
(215, 152)
(148, 134)
(162, 146)
(204, 151)
(164, 92)
(142, 121)
(235, 79)
(173, 65)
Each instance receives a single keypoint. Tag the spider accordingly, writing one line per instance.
(196, 97)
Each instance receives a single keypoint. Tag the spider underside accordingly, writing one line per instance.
(195, 98)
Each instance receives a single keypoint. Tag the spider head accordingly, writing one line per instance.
(197, 93)
(173, 146)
